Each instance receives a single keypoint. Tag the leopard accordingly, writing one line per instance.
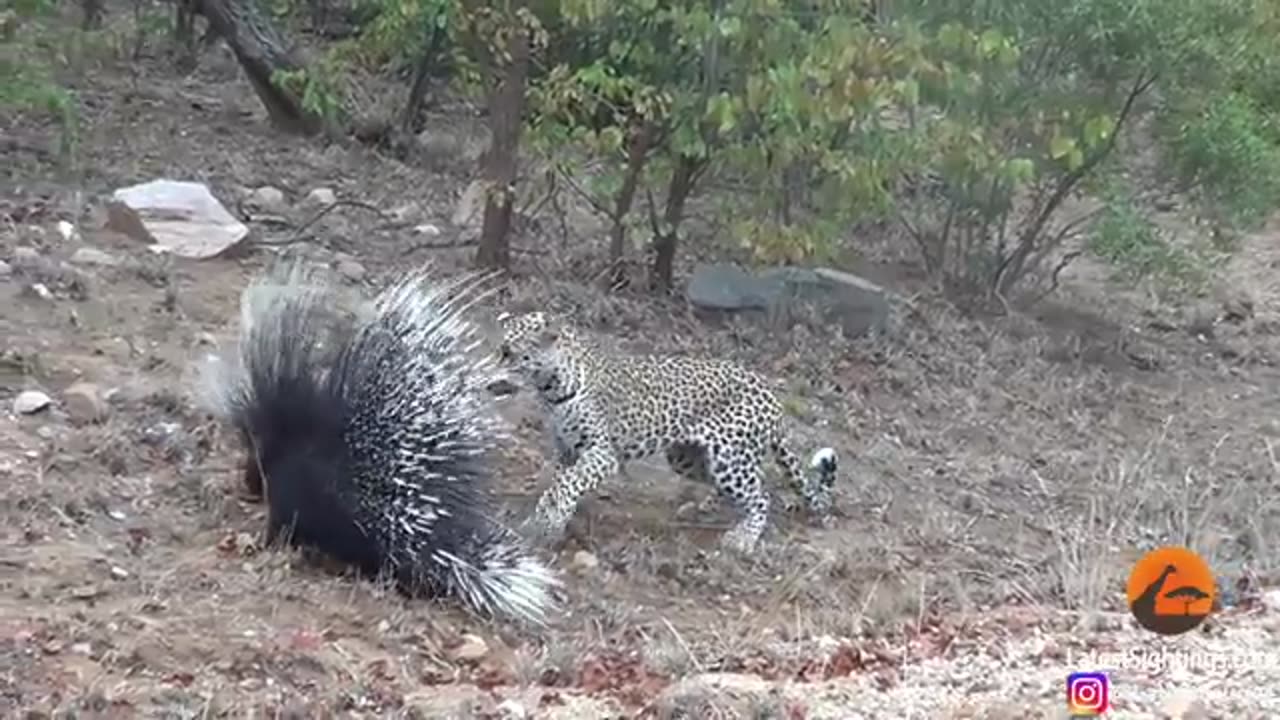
(713, 419)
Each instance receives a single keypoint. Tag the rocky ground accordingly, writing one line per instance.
(1001, 474)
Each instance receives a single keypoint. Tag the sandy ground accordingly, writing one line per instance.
(1000, 476)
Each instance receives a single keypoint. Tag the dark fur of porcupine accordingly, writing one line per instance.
(369, 424)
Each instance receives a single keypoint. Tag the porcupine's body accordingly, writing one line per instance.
(368, 425)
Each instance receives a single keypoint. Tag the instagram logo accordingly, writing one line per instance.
(1088, 694)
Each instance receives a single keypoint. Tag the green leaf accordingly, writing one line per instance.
(1098, 130)
(721, 111)
(990, 42)
(952, 36)
(730, 26)
(1075, 158)
(909, 91)
(1061, 146)
(1021, 169)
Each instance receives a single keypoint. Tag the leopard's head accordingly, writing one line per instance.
(529, 346)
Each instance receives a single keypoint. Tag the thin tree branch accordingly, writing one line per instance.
(1026, 242)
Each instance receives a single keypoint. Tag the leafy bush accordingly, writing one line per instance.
(810, 116)
(30, 59)
(1127, 238)
(1026, 101)
(1227, 154)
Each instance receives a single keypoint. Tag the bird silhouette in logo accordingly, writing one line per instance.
(1175, 611)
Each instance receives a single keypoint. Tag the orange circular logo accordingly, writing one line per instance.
(1171, 590)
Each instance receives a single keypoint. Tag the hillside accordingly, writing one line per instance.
(1001, 474)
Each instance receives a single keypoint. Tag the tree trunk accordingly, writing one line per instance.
(261, 52)
(506, 111)
(92, 19)
(184, 34)
(421, 78)
(666, 239)
(637, 156)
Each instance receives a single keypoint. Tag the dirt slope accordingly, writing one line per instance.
(1001, 476)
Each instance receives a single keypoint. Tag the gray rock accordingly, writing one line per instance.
(406, 214)
(93, 256)
(727, 288)
(29, 402)
(351, 270)
(322, 196)
(85, 402)
(67, 231)
(183, 218)
(473, 648)
(5, 269)
(725, 695)
(268, 198)
(841, 299)
(585, 561)
(27, 258)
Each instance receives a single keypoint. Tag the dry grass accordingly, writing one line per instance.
(992, 467)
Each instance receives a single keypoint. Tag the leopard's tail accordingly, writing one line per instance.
(815, 483)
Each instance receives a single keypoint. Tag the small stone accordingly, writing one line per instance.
(29, 402)
(426, 229)
(117, 348)
(1183, 705)
(6, 270)
(84, 402)
(351, 270)
(472, 649)
(1238, 308)
(206, 338)
(93, 256)
(46, 433)
(268, 198)
(67, 230)
(42, 291)
(406, 213)
(25, 257)
(511, 709)
(585, 561)
(119, 573)
(322, 196)
(82, 648)
(470, 208)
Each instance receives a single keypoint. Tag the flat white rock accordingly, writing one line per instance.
(29, 402)
(174, 216)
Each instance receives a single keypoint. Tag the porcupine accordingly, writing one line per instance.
(367, 425)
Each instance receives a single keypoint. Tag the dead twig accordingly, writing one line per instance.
(459, 244)
(297, 234)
